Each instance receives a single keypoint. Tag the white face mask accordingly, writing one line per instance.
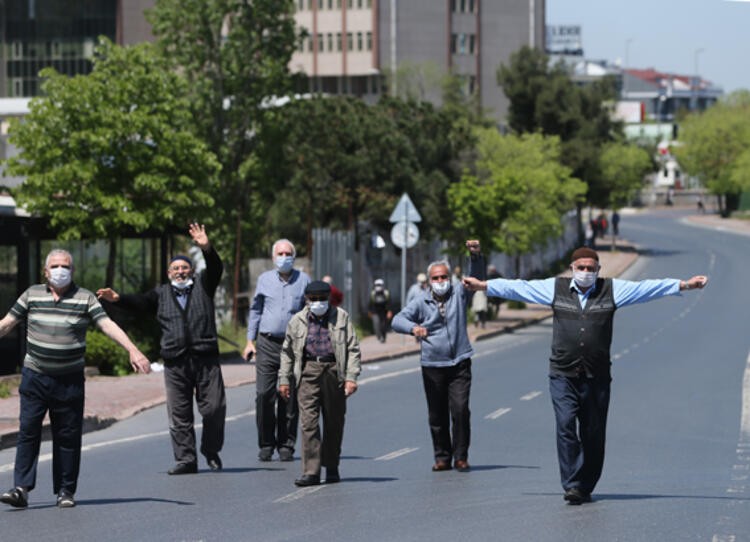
(181, 285)
(585, 279)
(60, 277)
(284, 263)
(441, 288)
(318, 308)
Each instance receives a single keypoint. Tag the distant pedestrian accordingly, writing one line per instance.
(699, 203)
(589, 236)
(579, 380)
(615, 223)
(418, 288)
(279, 295)
(337, 296)
(479, 307)
(184, 309)
(321, 354)
(57, 315)
(380, 309)
(493, 273)
(439, 321)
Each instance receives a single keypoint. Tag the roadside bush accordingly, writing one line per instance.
(106, 355)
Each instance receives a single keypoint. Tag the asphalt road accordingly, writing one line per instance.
(678, 453)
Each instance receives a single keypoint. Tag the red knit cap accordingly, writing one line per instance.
(584, 252)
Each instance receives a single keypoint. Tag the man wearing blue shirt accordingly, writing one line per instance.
(279, 295)
(583, 312)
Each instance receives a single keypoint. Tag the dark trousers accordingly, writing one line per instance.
(202, 378)
(320, 392)
(380, 324)
(63, 397)
(447, 391)
(276, 417)
(581, 406)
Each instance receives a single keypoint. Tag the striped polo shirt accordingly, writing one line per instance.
(56, 330)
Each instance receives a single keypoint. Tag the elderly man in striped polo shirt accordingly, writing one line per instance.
(57, 315)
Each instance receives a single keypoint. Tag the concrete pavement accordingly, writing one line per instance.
(109, 399)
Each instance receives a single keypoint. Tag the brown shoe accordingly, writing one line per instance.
(461, 465)
(441, 465)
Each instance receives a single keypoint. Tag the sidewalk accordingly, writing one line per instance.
(110, 399)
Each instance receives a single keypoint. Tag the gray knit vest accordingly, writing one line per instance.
(191, 331)
(581, 338)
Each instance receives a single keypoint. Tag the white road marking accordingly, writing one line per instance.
(531, 395)
(495, 415)
(394, 374)
(299, 494)
(397, 453)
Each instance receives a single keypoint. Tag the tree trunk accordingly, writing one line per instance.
(237, 269)
(111, 262)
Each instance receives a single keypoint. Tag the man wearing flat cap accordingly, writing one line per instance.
(184, 309)
(321, 352)
(579, 375)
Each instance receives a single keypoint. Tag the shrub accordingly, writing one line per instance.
(106, 355)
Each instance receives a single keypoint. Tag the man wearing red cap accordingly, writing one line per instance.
(583, 311)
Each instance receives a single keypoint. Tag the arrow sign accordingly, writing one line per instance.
(405, 211)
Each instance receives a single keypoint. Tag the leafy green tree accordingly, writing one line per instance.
(112, 152)
(714, 145)
(543, 98)
(623, 167)
(234, 54)
(515, 201)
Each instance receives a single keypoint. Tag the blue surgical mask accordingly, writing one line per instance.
(284, 264)
(441, 288)
(318, 308)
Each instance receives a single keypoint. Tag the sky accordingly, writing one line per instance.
(668, 35)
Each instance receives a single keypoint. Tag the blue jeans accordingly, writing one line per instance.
(62, 396)
(581, 406)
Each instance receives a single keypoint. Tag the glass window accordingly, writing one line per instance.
(349, 41)
(359, 4)
(471, 6)
(472, 44)
(320, 43)
(300, 5)
(330, 4)
(350, 4)
(462, 44)
(338, 41)
(360, 41)
(454, 39)
(369, 41)
(463, 6)
(329, 40)
(310, 44)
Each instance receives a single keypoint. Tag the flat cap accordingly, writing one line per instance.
(318, 287)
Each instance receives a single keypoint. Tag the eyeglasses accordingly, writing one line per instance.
(438, 277)
(590, 268)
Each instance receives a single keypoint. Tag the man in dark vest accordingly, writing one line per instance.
(190, 350)
(583, 309)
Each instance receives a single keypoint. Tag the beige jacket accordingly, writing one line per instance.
(344, 341)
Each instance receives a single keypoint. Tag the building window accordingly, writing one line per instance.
(360, 41)
(300, 5)
(472, 44)
(369, 3)
(320, 43)
(338, 4)
(462, 44)
(349, 41)
(309, 4)
(338, 41)
(369, 41)
(454, 40)
(463, 6)
(453, 5)
(350, 4)
(329, 39)
(330, 4)
(472, 6)
(310, 44)
(359, 4)
(321, 4)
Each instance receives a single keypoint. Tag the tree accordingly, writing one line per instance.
(622, 169)
(516, 200)
(111, 152)
(234, 54)
(714, 143)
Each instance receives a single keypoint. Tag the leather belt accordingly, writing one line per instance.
(321, 359)
(273, 338)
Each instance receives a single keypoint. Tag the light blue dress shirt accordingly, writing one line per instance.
(542, 292)
(275, 302)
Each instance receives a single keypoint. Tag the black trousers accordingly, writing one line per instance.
(63, 397)
(200, 378)
(275, 417)
(581, 405)
(447, 391)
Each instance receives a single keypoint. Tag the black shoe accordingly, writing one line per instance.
(576, 496)
(265, 454)
(65, 499)
(17, 497)
(332, 475)
(286, 454)
(183, 468)
(214, 462)
(307, 480)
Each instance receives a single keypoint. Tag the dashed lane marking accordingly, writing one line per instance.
(531, 395)
(397, 453)
(496, 414)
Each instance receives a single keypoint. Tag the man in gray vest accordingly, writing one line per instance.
(583, 311)
(190, 349)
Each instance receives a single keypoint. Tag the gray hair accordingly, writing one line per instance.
(273, 248)
(446, 263)
(58, 252)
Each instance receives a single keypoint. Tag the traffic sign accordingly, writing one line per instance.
(405, 234)
(405, 211)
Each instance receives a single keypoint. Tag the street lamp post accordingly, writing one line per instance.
(696, 79)
(624, 67)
